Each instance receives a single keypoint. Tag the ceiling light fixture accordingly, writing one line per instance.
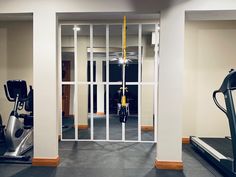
(76, 28)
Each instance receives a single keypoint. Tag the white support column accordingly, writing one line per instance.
(100, 87)
(45, 88)
(92, 84)
(139, 79)
(107, 84)
(169, 130)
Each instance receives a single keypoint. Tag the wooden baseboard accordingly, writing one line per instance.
(46, 162)
(147, 128)
(165, 165)
(83, 127)
(100, 113)
(185, 140)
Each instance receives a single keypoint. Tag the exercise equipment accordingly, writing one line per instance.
(222, 151)
(2, 127)
(123, 112)
(19, 129)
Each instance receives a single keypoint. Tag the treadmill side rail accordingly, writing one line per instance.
(204, 146)
(224, 163)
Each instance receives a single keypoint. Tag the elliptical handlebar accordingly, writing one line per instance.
(7, 94)
(217, 103)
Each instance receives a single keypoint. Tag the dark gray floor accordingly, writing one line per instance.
(103, 159)
(106, 159)
(131, 129)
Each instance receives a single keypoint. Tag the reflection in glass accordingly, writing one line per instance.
(83, 52)
(148, 56)
(68, 130)
(147, 113)
(99, 51)
(131, 127)
(115, 126)
(115, 53)
(83, 67)
(89, 71)
(132, 53)
(99, 114)
(67, 55)
(83, 111)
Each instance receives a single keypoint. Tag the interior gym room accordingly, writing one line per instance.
(125, 88)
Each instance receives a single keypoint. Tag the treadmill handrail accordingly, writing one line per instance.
(217, 103)
(228, 85)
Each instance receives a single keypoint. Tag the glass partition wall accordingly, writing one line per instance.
(91, 77)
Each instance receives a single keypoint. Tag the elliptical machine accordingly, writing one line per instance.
(2, 128)
(18, 133)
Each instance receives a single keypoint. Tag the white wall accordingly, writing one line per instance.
(4, 105)
(210, 52)
(16, 58)
(20, 51)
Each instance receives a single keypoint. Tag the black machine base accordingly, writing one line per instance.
(222, 159)
(16, 159)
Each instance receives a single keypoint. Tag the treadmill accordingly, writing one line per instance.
(222, 151)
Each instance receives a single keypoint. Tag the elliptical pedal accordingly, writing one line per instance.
(16, 159)
(23, 158)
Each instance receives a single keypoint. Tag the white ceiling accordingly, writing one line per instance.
(211, 15)
(190, 15)
(82, 16)
(105, 16)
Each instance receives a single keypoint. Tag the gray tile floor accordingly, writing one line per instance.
(104, 159)
(131, 129)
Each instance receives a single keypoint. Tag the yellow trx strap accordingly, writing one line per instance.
(124, 39)
(123, 99)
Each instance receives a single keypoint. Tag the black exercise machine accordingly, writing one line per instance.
(222, 151)
(18, 133)
(2, 128)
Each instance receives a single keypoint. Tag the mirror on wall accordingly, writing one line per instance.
(68, 121)
(67, 76)
(91, 68)
(68, 52)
